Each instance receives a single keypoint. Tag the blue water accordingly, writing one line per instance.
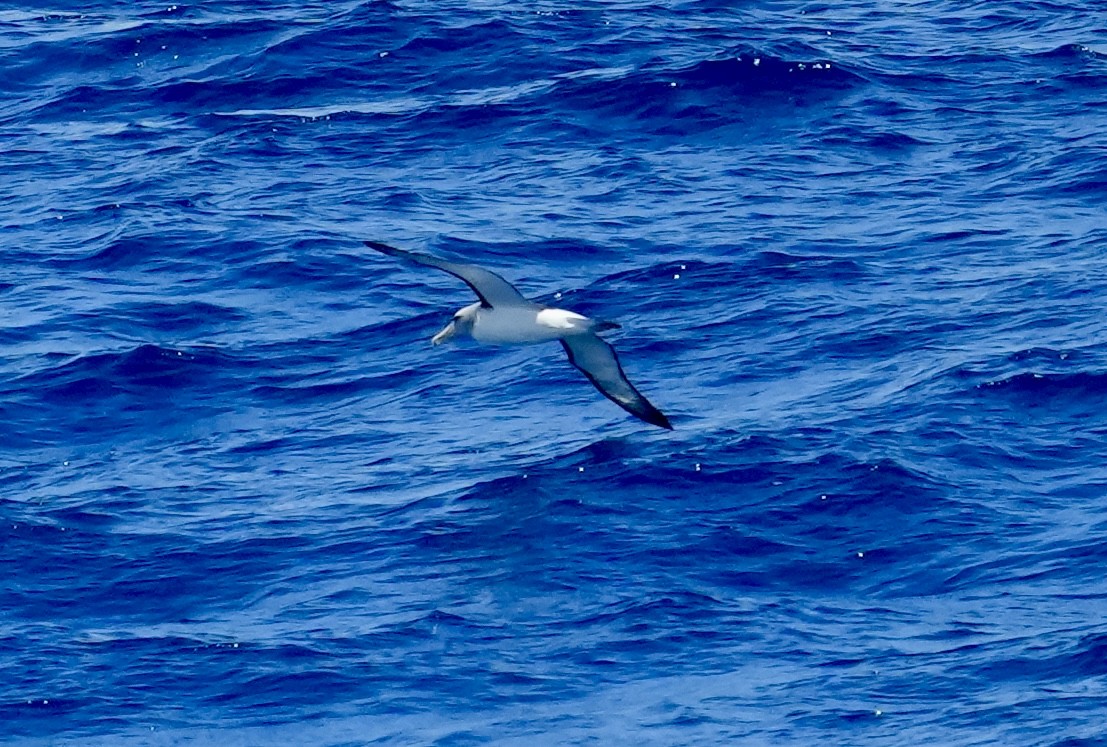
(859, 255)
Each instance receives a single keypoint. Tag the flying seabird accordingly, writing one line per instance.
(504, 316)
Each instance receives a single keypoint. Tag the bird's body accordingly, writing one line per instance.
(522, 325)
(504, 317)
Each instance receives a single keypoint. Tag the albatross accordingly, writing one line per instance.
(503, 316)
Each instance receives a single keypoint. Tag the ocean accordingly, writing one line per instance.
(858, 251)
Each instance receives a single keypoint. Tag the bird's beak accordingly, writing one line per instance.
(449, 331)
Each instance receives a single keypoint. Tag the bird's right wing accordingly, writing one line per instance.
(492, 289)
(597, 360)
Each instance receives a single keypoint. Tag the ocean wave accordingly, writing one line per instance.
(1034, 388)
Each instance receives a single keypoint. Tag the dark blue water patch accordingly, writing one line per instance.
(1036, 389)
(461, 49)
(83, 513)
(151, 580)
(1084, 658)
(1083, 68)
(774, 266)
(135, 390)
(888, 142)
(1074, 52)
(140, 660)
(305, 393)
(1080, 170)
(216, 54)
(164, 320)
(1080, 742)
(556, 251)
(219, 93)
(128, 250)
(741, 278)
(885, 334)
(320, 262)
(738, 90)
(752, 72)
(1042, 383)
(145, 368)
(788, 512)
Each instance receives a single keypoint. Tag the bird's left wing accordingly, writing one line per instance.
(596, 359)
(492, 289)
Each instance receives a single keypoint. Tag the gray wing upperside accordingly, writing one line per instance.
(596, 359)
(492, 289)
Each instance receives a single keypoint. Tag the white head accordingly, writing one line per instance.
(462, 323)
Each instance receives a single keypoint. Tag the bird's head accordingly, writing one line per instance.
(461, 324)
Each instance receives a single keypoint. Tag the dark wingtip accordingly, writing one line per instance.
(602, 325)
(661, 421)
(653, 416)
(383, 248)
